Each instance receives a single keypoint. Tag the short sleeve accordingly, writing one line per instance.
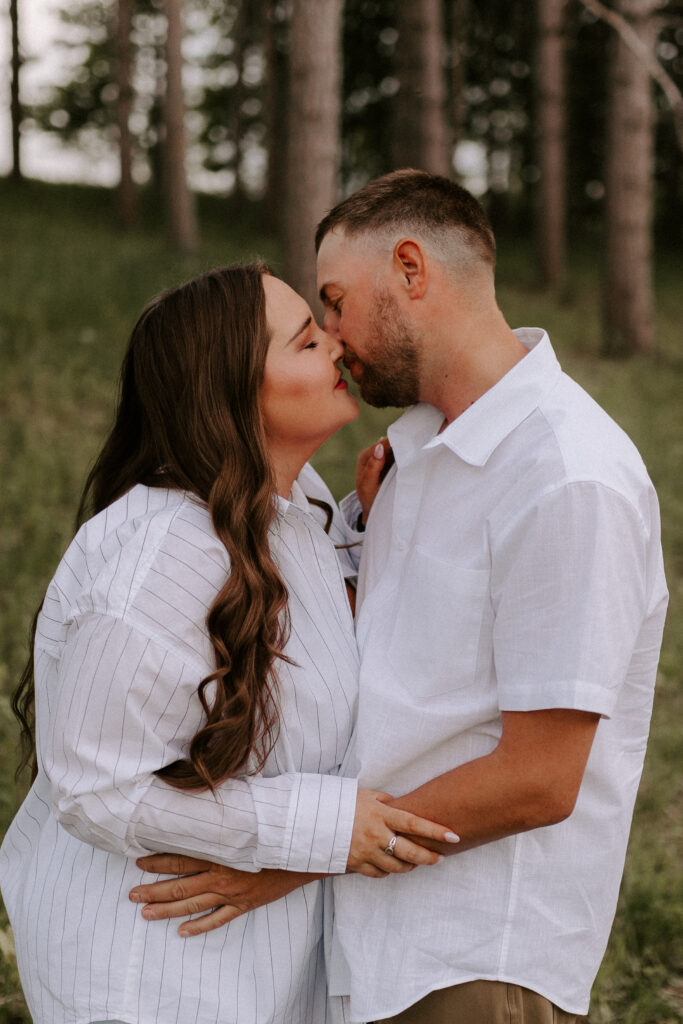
(568, 588)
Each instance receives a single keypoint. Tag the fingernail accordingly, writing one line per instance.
(148, 913)
(379, 451)
(451, 837)
(439, 859)
(134, 896)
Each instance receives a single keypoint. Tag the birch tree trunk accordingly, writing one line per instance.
(314, 131)
(180, 209)
(551, 135)
(628, 302)
(421, 135)
(126, 197)
(15, 104)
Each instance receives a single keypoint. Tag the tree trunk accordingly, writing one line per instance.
(551, 129)
(126, 197)
(421, 137)
(15, 105)
(628, 310)
(180, 209)
(313, 149)
(276, 109)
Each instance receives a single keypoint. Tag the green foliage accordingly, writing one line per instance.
(71, 290)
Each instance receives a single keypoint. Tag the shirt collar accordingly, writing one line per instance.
(297, 499)
(476, 433)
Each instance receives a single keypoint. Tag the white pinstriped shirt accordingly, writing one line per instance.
(120, 649)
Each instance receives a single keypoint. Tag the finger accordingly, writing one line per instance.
(412, 854)
(404, 821)
(209, 922)
(171, 864)
(394, 865)
(172, 889)
(370, 870)
(182, 908)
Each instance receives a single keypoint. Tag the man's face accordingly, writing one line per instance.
(355, 285)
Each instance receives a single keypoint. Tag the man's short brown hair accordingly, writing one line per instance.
(410, 200)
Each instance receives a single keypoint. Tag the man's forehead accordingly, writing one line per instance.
(339, 256)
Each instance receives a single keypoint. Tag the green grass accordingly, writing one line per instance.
(70, 290)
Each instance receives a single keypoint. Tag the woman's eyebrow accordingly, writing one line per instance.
(303, 327)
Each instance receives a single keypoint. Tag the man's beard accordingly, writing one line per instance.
(391, 372)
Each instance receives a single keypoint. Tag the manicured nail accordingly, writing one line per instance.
(451, 837)
(379, 451)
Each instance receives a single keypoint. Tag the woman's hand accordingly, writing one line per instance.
(377, 824)
(225, 892)
(372, 466)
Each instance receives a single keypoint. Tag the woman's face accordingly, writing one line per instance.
(304, 398)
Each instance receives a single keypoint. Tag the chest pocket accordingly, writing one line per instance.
(441, 612)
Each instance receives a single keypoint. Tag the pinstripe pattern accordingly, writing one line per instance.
(121, 647)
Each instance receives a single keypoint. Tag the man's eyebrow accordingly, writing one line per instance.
(305, 324)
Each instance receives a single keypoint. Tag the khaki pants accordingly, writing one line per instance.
(483, 1002)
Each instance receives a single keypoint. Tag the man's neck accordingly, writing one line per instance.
(461, 371)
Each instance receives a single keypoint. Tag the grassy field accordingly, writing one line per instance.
(70, 289)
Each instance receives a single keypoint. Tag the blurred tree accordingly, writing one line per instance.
(124, 107)
(369, 90)
(498, 108)
(628, 299)
(240, 30)
(421, 136)
(314, 126)
(274, 17)
(459, 11)
(179, 201)
(15, 104)
(550, 129)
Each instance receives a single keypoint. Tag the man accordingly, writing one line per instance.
(510, 609)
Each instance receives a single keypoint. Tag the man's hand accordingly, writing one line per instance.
(225, 892)
(373, 465)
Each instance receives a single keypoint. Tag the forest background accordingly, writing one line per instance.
(228, 129)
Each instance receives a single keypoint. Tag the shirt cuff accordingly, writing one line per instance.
(319, 825)
(575, 695)
(351, 509)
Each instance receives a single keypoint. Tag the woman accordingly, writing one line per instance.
(195, 678)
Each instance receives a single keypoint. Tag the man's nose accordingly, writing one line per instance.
(336, 348)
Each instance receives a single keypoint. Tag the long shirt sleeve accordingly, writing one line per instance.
(123, 702)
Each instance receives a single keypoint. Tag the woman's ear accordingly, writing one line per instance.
(410, 263)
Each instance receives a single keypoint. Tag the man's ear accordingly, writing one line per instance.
(410, 263)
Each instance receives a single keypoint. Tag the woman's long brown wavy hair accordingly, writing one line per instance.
(188, 417)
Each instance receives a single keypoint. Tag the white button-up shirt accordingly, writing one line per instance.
(512, 562)
(121, 648)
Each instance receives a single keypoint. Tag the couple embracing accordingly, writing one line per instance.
(418, 817)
